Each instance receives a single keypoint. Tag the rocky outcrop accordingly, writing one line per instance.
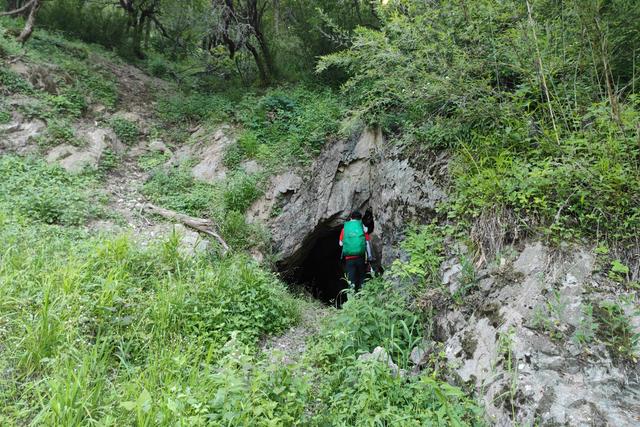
(206, 147)
(353, 174)
(76, 159)
(517, 339)
(20, 134)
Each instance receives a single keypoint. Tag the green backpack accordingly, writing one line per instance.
(353, 241)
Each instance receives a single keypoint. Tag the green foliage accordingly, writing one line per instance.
(59, 131)
(241, 191)
(93, 22)
(189, 109)
(126, 130)
(11, 82)
(150, 161)
(71, 103)
(354, 392)
(178, 190)
(286, 127)
(108, 161)
(44, 193)
(616, 331)
(618, 272)
(5, 117)
(423, 245)
(550, 317)
(586, 331)
(102, 331)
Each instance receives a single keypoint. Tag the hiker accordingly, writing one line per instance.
(356, 249)
(367, 221)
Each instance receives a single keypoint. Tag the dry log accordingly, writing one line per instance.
(202, 225)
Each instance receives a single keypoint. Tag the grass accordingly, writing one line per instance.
(98, 330)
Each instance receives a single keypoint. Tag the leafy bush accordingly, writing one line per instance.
(60, 131)
(423, 245)
(241, 191)
(11, 82)
(5, 117)
(358, 391)
(286, 127)
(43, 192)
(192, 108)
(127, 131)
(158, 66)
(101, 324)
(616, 331)
(70, 103)
(178, 190)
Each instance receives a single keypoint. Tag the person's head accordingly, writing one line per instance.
(355, 215)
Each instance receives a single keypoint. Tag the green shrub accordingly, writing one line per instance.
(286, 127)
(360, 391)
(152, 160)
(70, 103)
(11, 82)
(60, 131)
(44, 193)
(158, 67)
(5, 117)
(241, 191)
(423, 245)
(193, 108)
(616, 332)
(127, 131)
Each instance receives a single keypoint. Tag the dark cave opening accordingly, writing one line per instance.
(320, 270)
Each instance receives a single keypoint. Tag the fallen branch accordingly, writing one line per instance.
(202, 225)
(20, 10)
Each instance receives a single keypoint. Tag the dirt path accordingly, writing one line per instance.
(293, 343)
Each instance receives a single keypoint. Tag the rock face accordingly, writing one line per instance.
(19, 135)
(355, 174)
(207, 148)
(76, 159)
(517, 345)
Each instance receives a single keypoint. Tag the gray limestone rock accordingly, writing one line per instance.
(76, 159)
(379, 354)
(348, 175)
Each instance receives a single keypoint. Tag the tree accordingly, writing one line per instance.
(31, 10)
(237, 25)
(142, 13)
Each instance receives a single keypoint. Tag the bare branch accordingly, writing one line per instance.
(202, 225)
(18, 11)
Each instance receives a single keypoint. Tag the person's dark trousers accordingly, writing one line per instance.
(356, 271)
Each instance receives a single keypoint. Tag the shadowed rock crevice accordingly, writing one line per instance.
(317, 266)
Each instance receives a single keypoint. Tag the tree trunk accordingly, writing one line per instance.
(31, 21)
(138, 28)
(262, 69)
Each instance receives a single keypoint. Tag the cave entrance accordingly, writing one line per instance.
(319, 269)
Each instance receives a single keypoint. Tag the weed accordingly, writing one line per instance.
(587, 328)
(5, 117)
(149, 161)
(550, 317)
(127, 131)
(618, 271)
(616, 331)
(71, 103)
(423, 245)
(59, 131)
(11, 82)
(108, 161)
(44, 193)
(241, 191)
